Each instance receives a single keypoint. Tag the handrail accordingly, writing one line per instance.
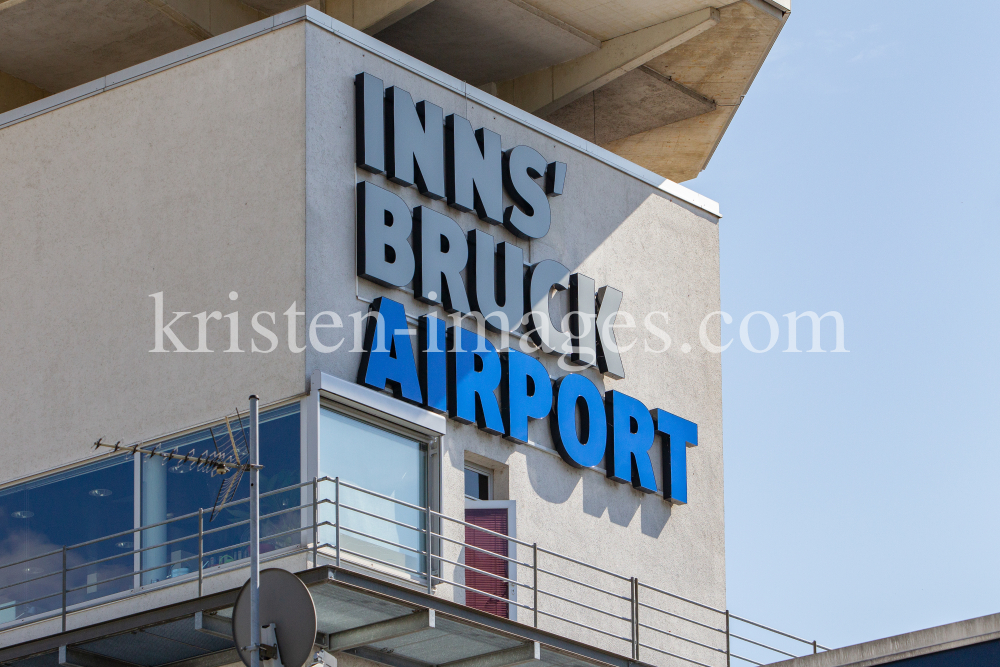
(785, 634)
(584, 584)
(580, 598)
(683, 599)
(583, 604)
(683, 618)
(580, 562)
(673, 655)
(736, 636)
(512, 540)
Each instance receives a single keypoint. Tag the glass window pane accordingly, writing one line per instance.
(389, 464)
(69, 508)
(471, 483)
(172, 490)
(477, 485)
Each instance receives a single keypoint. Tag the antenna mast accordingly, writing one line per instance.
(220, 463)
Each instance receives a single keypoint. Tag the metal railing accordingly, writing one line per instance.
(553, 591)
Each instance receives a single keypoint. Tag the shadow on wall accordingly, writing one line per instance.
(621, 503)
(600, 496)
(555, 489)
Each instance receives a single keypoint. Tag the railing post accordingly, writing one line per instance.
(336, 515)
(728, 653)
(201, 551)
(814, 647)
(635, 618)
(64, 588)
(315, 522)
(427, 534)
(534, 574)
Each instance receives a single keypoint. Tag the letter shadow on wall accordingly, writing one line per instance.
(621, 502)
(551, 479)
(554, 482)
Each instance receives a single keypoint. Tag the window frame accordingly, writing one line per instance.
(488, 473)
(138, 586)
(383, 411)
(511, 507)
(301, 400)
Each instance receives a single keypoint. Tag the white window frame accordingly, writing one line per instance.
(482, 470)
(381, 409)
(511, 507)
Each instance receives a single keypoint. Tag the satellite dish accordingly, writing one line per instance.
(286, 603)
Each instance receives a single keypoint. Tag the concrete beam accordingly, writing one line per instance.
(381, 631)
(16, 92)
(388, 658)
(217, 659)
(519, 655)
(213, 625)
(206, 18)
(544, 91)
(635, 102)
(905, 647)
(193, 28)
(372, 16)
(486, 40)
(74, 657)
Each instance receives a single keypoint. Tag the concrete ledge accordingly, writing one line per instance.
(673, 191)
(901, 647)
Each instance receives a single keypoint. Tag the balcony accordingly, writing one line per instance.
(368, 559)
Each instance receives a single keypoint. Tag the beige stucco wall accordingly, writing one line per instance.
(235, 171)
(608, 225)
(188, 182)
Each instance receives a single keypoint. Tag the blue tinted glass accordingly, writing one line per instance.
(386, 463)
(40, 517)
(471, 483)
(172, 491)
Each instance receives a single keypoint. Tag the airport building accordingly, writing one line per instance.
(445, 242)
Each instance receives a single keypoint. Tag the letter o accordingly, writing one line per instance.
(745, 331)
(588, 450)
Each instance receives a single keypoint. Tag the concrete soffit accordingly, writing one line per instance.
(180, 18)
(552, 88)
(671, 190)
(781, 10)
(371, 16)
(207, 19)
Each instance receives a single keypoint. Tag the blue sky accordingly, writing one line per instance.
(860, 176)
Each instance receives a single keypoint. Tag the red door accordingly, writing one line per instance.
(495, 520)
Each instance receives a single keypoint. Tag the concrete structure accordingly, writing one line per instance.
(971, 643)
(654, 82)
(223, 177)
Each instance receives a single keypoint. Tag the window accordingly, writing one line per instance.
(39, 517)
(171, 491)
(379, 459)
(95, 506)
(487, 575)
(478, 483)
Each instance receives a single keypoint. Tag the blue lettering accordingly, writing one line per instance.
(629, 441)
(525, 393)
(678, 434)
(432, 343)
(387, 360)
(473, 376)
(586, 449)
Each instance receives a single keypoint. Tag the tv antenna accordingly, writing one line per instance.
(229, 461)
(240, 454)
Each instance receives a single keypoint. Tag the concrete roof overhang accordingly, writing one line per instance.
(375, 619)
(654, 81)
